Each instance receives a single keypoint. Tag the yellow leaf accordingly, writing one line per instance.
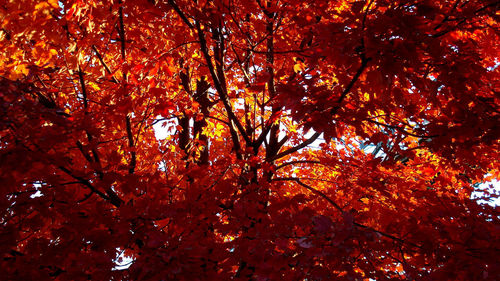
(40, 7)
(218, 129)
(72, 47)
(19, 71)
(54, 3)
(94, 86)
(81, 58)
(299, 66)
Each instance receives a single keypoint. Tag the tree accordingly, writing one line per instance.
(308, 140)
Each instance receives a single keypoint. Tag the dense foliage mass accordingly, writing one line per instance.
(302, 140)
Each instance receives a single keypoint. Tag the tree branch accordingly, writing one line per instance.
(364, 62)
(313, 190)
(336, 206)
(297, 162)
(89, 135)
(99, 56)
(401, 130)
(110, 197)
(296, 148)
(180, 13)
(130, 135)
(220, 89)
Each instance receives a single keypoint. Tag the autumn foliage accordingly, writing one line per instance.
(300, 140)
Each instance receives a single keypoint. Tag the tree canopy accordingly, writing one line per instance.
(303, 140)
